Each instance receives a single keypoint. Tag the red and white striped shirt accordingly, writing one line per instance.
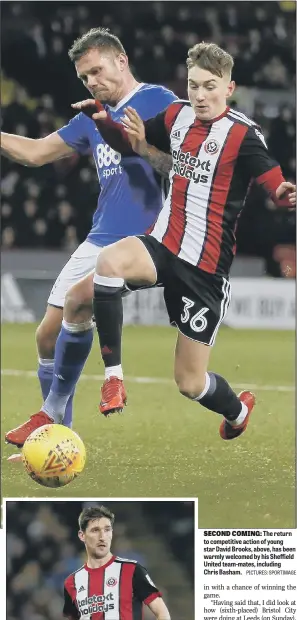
(214, 164)
(115, 591)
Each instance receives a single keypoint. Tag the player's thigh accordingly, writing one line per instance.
(81, 263)
(128, 259)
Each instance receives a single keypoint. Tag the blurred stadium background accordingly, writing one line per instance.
(162, 445)
(43, 549)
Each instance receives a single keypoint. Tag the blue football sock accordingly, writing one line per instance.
(67, 420)
(45, 376)
(72, 349)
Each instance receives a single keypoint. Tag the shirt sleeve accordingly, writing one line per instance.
(70, 610)
(260, 165)
(75, 135)
(167, 97)
(144, 589)
(156, 132)
(157, 128)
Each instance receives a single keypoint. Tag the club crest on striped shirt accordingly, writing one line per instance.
(111, 581)
(211, 146)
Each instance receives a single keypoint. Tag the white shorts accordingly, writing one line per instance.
(81, 263)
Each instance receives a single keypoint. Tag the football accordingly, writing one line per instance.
(53, 455)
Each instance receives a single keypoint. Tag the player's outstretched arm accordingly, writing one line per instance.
(30, 152)
(159, 609)
(126, 138)
(113, 133)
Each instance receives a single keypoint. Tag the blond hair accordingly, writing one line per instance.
(211, 57)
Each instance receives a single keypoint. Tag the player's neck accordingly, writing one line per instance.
(98, 562)
(129, 85)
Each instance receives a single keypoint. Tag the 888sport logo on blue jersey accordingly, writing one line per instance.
(108, 161)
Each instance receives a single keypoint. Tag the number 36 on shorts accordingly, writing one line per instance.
(198, 322)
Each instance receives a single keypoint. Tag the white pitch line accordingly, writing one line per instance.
(11, 372)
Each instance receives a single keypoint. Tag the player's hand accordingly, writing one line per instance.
(290, 188)
(91, 108)
(135, 129)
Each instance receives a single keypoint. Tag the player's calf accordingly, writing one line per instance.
(129, 260)
(72, 349)
(47, 332)
(46, 338)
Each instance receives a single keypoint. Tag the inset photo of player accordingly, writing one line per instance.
(100, 559)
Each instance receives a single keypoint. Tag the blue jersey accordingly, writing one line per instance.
(131, 194)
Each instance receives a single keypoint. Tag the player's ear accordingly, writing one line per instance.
(123, 61)
(230, 88)
(81, 536)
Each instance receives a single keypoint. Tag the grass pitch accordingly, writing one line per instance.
(164, 445)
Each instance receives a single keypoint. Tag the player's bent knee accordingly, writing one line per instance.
(78, 304)
(190, 386)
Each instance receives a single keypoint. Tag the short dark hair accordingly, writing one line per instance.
(211, 57)
(94, 512)
(100, 38)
